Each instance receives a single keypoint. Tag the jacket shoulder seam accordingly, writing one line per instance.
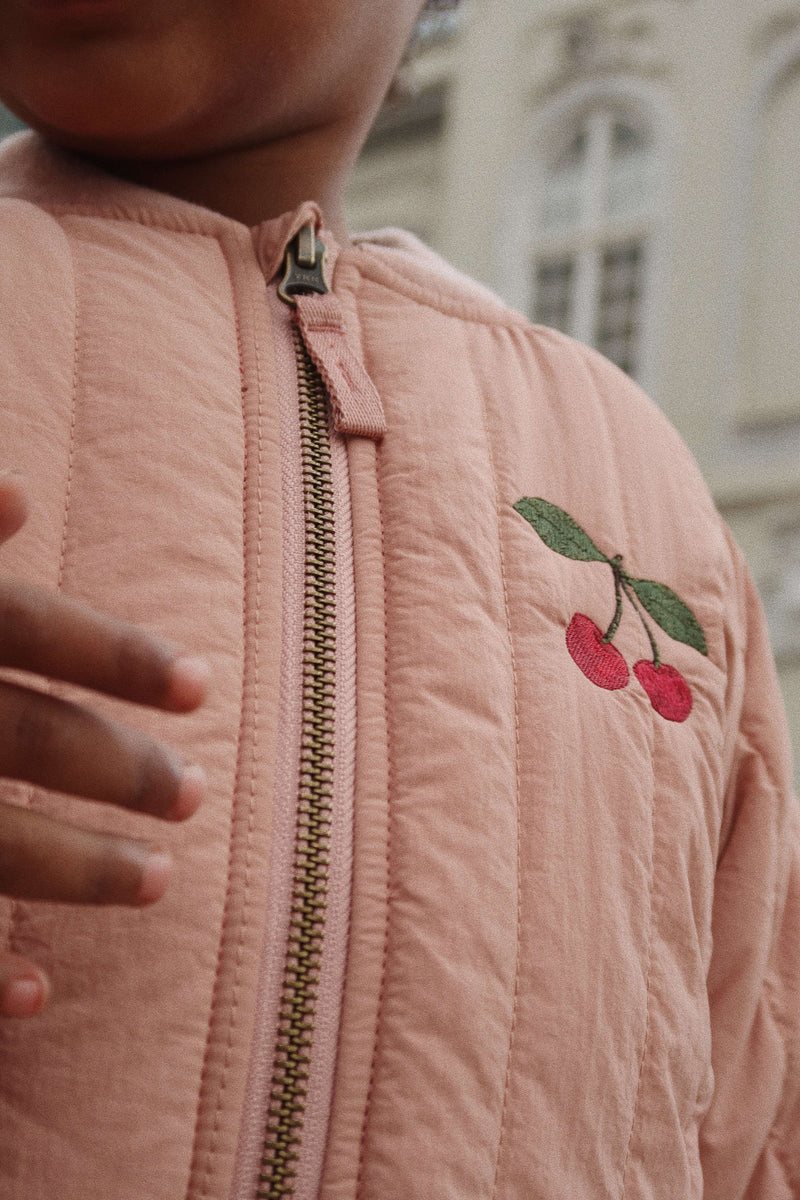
(131, 216)
(429, 296)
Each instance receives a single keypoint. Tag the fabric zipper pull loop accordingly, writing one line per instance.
(356, 405)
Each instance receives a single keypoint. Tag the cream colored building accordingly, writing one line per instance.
(629, 171)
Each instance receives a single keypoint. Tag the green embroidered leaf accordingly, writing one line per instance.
(674, 617)
(558, 530)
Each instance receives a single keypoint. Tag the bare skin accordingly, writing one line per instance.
(54, 744)
(248, 107)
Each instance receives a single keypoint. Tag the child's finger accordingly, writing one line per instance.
(60, 638)
(13, 504)
(24, 988)
(43, 859)
(67, 748)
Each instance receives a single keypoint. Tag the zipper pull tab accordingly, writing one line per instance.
(355, 403)
(304, 271)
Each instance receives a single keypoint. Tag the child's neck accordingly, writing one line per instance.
(258, 182)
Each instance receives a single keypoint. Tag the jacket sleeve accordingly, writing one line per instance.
(750, 1138)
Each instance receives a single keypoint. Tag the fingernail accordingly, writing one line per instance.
(188, 682)
(190, 793)
(155, 876)
(22, 998)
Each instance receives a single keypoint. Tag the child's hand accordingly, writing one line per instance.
(60, 745)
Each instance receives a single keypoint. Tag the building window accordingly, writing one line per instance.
(620, 304)
(554, 281)
(592, 234)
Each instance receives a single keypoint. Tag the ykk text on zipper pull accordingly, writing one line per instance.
(304, 268)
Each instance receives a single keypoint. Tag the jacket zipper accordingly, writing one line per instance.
(286, 1105)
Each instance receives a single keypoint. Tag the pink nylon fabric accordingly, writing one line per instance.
(357, 407)
(573, 959)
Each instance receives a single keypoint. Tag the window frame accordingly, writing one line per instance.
(644, 104)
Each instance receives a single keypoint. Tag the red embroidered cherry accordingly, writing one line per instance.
(591, 649)
(600, 662)
(669, 692)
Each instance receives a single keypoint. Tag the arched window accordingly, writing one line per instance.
(592, 231)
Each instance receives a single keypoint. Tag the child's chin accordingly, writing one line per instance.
(100, 99)
(115, 132)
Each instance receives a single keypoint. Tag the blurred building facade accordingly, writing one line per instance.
(629, 171)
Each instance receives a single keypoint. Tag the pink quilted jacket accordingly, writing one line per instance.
(496, 894)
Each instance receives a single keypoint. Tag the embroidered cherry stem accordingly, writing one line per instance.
(616, 566)
(630, 594)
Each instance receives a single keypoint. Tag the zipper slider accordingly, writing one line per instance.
(318, 317)
(304, 272)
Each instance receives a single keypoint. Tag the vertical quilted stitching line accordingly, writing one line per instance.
(514, 678)
(62, 556)
(385, 953)
(591, 368)
(651, 894)
(385, 960)
(246, 590)
(648, 1002)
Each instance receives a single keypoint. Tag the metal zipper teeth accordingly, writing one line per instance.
(297, 1012)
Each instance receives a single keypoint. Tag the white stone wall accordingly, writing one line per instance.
(718, 87)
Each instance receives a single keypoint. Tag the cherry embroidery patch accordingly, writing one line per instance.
(591, 648)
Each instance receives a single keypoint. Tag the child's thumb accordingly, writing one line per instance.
(13, 503)
(24, 989)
